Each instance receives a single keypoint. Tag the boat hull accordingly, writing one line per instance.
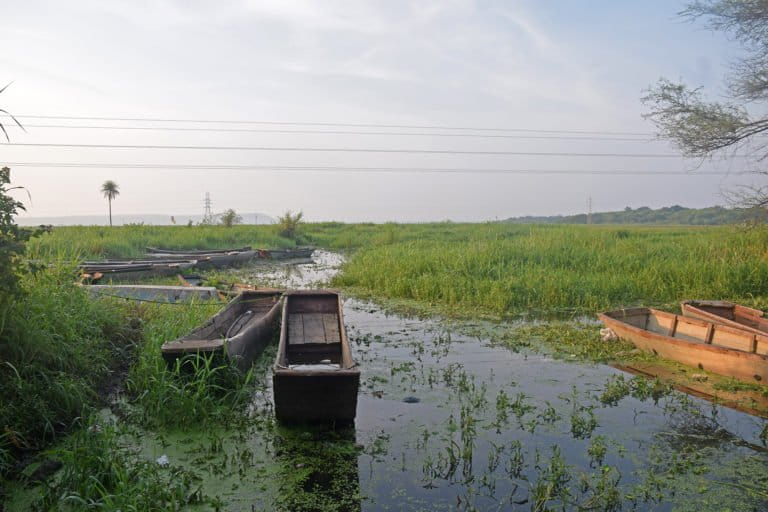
(239, 333)
(314, 378)
(748, 365)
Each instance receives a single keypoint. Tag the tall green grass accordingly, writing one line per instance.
(57, 349)
(505, 270)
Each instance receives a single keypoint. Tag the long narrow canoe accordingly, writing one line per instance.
(727, 313)
(706, 345)
(119, 272)
(239, 332)
(155, 293)
(288, 254)
(212, 260)
(314, 377)
(158, 250)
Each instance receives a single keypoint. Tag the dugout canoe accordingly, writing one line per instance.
(314, 377)
(706, 345)
(727, 313)
(288, 254)
(131, 271)
(159, 250)
(238, 333)
(212, 260)
(155, 293)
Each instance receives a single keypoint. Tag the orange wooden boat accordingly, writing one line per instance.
(706, 345)
(727, 313)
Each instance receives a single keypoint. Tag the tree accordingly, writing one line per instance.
(12, 240)
(703, 128)
(229, 218)
(110, 190)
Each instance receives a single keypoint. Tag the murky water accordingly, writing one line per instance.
(448, 420)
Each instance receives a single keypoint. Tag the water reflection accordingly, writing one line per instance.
(318, 469)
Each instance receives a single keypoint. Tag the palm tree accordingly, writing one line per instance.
(110, 191)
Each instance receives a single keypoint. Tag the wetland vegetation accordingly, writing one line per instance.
(500, 402)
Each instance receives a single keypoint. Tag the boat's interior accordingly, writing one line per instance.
(314, 334)
(238, 314)
(741, 314)
(692, 330)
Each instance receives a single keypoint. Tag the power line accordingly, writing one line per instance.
(340, 150)
(287, 168)
(344, 132)
(349, 125)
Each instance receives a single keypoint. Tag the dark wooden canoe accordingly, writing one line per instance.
(240, 331)
(314, 377)
(727, 313)
(214, 260)
(135, 271)
(158, 250)
(709, 346)
(288, 254)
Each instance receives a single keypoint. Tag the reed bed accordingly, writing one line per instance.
(571, 269)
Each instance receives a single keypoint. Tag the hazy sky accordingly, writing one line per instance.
(526, 65)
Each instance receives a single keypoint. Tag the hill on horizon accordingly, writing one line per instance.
(713, 215)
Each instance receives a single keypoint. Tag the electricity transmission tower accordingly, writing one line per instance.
(207, 212)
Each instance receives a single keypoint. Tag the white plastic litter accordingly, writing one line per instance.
(607, 334)
(163, 460)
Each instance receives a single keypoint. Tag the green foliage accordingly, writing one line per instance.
(229, 218)
(11, 241)
(669, 215)
(288, 224)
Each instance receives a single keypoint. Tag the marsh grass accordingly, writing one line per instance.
(507, 270)
(198, 389)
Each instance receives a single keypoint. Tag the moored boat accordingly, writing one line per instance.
(706, 345)
(155, 293)
(239, 332)
(93, 272)
(159, 250)
(212, 260)
(314, 376)
(297, 253)
(727, 313)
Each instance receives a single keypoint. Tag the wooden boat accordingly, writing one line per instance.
(214, 260)
(158, 250)
(314, 377)
(727, 313)
(155, 293)
(239, 332)
(706, 345)
(288, 254)
(131, 271)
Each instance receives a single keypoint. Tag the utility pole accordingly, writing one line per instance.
(589, 210)
(207, 213)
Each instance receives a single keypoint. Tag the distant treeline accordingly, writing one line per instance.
(668, 215)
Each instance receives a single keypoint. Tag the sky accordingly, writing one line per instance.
(522, 71)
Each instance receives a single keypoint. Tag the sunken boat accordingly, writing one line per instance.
(238, 333)
(727, 313)
(709, 346)
(298, 253)
(314, 376)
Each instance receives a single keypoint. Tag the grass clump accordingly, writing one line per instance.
(197, 390)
